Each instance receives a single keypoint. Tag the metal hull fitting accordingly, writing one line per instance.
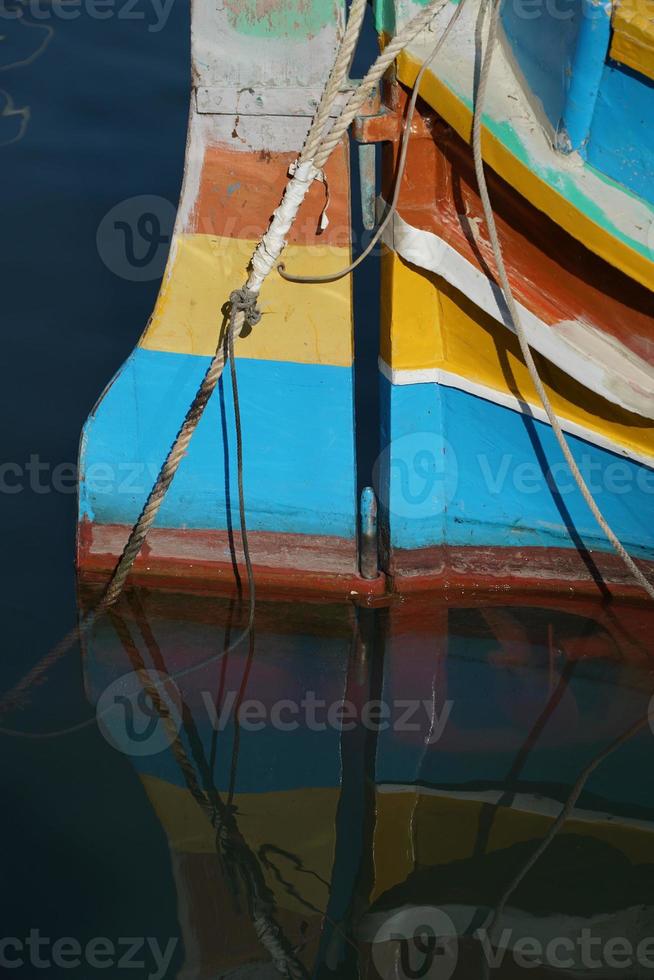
(471, 484)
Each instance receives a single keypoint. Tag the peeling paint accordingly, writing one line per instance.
(291, 19)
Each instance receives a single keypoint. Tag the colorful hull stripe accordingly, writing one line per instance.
(462, 471)
(516, 147)
(305, 325)
(433, 332)
(299, 449)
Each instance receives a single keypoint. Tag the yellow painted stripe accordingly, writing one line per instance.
(308, 324)
(426, 323)
(426, 830)
(524, 180)
(300, 822)
(633, 36)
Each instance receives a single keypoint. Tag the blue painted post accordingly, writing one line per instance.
(588, 64)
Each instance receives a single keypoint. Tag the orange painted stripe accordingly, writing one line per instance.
(239, 191)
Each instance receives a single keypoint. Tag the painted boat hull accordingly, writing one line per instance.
(472, 487)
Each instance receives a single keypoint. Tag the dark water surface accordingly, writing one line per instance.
(391, 773)
(107, 103)
(359, 793)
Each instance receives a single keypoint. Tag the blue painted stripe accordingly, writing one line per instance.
(622, 136)
(461, 470)
(298, 432)
(543, 43)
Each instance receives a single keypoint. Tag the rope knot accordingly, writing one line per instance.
(245, 301)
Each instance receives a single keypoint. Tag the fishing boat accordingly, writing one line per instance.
(470, 486)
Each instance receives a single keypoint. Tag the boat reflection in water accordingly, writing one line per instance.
(377, 782)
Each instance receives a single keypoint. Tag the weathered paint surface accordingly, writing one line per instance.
(297, 481)
(621, 143)
(294, 20)
(591, 48)
(517, 147)
(432, 332)
(544, 56)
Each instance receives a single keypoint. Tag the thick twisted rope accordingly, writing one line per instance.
(243, 301)
(515, 312)
(243, 312)
(233, 849)
(373, 77)
(337, 77)
(401, 166)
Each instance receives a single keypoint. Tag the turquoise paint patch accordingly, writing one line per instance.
(385, 16)
(294, 20)
(563, 184)
(494, 476)
(559, 181)
(298, 447)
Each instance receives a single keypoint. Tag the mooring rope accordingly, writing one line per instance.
(516, 318)
(243, 312)
(232, 847)
(241, 308)
(401, 166)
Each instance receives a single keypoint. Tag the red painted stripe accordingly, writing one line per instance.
(284, 564)
(183, 558)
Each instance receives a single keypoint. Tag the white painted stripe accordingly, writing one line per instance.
(626, 380)
(450, 380)
(523, 802)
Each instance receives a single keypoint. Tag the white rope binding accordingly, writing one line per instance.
(273, 242)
